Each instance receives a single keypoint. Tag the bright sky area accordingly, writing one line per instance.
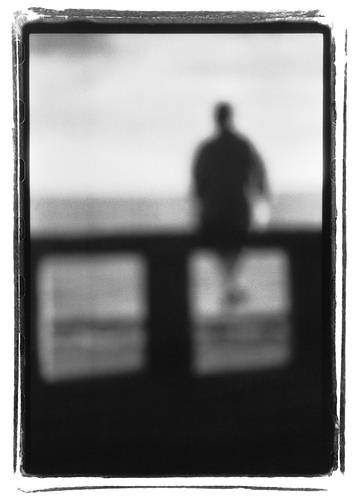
(122, 114)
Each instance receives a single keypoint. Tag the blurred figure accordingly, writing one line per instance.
(228, 174)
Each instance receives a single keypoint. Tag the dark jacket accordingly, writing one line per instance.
(226, 171)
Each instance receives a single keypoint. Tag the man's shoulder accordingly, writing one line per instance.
(208, 142)
(240, 139)
(206, 146)
(211, 144)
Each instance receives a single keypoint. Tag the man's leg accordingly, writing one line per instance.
(230, 267)
(229, 260)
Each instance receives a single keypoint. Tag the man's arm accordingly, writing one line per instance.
(199, 174)
(259, 178)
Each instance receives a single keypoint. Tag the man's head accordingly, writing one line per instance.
(223, 116)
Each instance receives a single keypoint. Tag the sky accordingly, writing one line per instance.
(123, 114)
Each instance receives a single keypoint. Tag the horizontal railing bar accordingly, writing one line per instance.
(150, 243)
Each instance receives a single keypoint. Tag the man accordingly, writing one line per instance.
(228, 173)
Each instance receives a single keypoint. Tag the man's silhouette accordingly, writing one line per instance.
(228, 172)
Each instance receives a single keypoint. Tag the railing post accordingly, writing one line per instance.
(306, 293)
(169, 346)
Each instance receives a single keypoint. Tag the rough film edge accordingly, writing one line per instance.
(188, 17)
(22, 18)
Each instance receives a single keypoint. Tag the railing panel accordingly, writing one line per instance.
(169, 348)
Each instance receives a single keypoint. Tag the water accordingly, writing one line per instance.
(88, 215)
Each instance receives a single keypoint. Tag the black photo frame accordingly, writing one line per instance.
(58, 421)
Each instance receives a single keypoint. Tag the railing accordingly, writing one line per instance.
(166, 255)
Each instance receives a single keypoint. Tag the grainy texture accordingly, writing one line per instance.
(151, 17)
(117, 18)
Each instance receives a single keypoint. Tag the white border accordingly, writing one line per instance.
(336, 484)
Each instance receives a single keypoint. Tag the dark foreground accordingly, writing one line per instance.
(267, 424)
